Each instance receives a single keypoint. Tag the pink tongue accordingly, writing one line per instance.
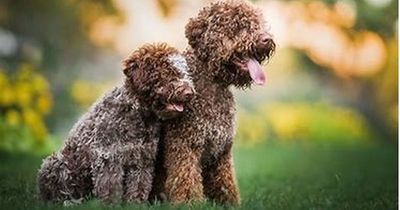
(178, 107)
(256, 71)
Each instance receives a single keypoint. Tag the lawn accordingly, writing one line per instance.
(270, 177)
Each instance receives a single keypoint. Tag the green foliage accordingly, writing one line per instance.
(307, 122)
(19, 139)
(270, 177)
(359, 59)
(59, 29)
(25, 101)
(55, 36)
(378, 19)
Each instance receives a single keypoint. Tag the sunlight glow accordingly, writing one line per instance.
(324, 32)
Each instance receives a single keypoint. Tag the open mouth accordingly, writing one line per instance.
(177, 107)
(253, 66)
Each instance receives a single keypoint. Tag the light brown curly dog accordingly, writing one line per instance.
(228, 42)
(110, 152)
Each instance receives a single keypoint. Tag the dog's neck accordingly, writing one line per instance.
(202, 72)
(134, 99)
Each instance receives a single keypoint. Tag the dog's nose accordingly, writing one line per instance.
(184, 91)
(265, 39)
(188, 93)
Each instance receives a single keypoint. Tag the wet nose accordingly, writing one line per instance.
(184, 91)
(265, 39)
(188, 93)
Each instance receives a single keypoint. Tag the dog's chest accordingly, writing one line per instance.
(135, 127)
(220, 127)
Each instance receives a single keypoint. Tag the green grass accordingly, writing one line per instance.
(270, 177)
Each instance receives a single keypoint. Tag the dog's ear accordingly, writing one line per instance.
(194, 31)
(134, 72)
(129, 66)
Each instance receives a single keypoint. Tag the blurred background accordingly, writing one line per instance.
(332, 84)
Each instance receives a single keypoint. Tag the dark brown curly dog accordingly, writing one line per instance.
(111, 150)
(228, 42)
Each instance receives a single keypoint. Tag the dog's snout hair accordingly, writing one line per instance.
(265, 44)
(186, 92)
(182, 91)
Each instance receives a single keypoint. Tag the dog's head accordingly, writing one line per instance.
(232, 38)
(158, 75)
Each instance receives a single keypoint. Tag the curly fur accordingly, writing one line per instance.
(195, 158)
(110, 152)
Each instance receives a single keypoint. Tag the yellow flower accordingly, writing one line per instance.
(39, 83)
(12, 117)
(7, 96)
(25, 72)
(3, 80)
(23, 94)
(44, 103)
(29, 91)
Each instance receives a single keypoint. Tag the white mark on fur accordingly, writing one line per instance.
(179, 62)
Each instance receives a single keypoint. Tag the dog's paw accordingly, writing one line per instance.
(73, 202)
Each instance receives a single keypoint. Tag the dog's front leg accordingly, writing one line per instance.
(184, 180)
(107, 175)
(138, 183)
(139, 165)
(220, 182)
